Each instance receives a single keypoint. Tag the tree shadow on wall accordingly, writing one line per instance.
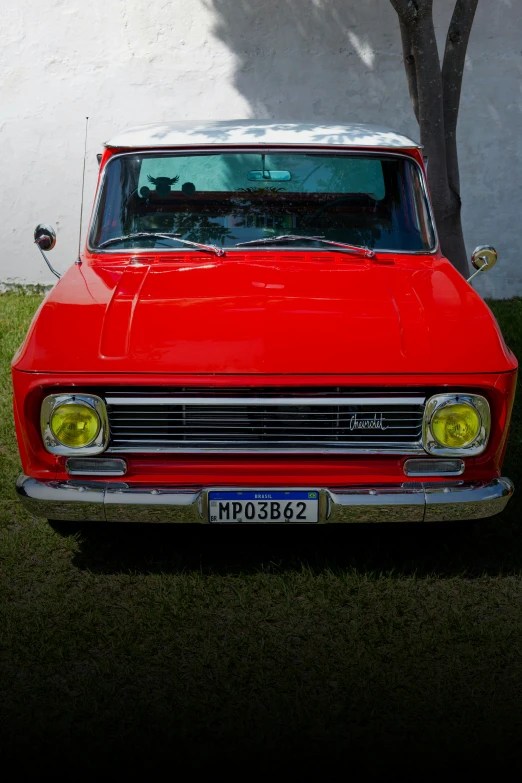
(324, 60)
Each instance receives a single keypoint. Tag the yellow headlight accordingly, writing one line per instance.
(455, 426)
(75, 424)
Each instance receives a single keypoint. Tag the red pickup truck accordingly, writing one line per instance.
(261, 328)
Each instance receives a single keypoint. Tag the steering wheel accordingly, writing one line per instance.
(328, 204)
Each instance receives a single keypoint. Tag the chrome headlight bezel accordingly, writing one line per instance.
(92, 401)
(477, 446)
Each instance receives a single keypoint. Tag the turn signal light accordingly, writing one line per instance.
(94, 466)
(434, 467)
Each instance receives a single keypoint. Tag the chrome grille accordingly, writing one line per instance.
(266, 420)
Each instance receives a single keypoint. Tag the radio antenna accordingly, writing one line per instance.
(83, 190)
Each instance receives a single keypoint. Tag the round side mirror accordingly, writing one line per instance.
(484, 256)
(44, 236)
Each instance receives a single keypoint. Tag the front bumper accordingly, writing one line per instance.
(99, 501)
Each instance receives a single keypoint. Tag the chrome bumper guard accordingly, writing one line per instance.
(98, 501)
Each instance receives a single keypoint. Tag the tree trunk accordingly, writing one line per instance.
(452, 238)
(435, 97)
(452, 73)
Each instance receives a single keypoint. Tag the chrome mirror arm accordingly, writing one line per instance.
(483, 268)
(58, 275)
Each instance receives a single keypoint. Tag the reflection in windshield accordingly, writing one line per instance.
(364, 200)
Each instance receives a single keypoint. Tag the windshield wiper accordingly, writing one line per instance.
(219, 251)
(365, 251)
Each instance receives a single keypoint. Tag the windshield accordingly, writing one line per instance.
(229, 198)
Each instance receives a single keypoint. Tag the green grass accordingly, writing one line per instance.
(124, 647)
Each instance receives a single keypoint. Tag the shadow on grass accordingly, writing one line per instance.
(470, 549)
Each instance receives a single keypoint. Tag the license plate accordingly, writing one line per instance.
(263, 507)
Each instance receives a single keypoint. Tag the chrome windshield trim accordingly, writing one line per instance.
(275, 249)
(219, 401)
(255, 148)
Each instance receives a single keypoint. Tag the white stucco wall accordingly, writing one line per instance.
(128, 62)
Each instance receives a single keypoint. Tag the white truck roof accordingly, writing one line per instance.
(246, 132)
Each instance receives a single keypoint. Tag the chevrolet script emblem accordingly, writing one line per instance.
(376, 423)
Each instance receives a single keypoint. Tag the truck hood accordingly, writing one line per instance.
(269, 313)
